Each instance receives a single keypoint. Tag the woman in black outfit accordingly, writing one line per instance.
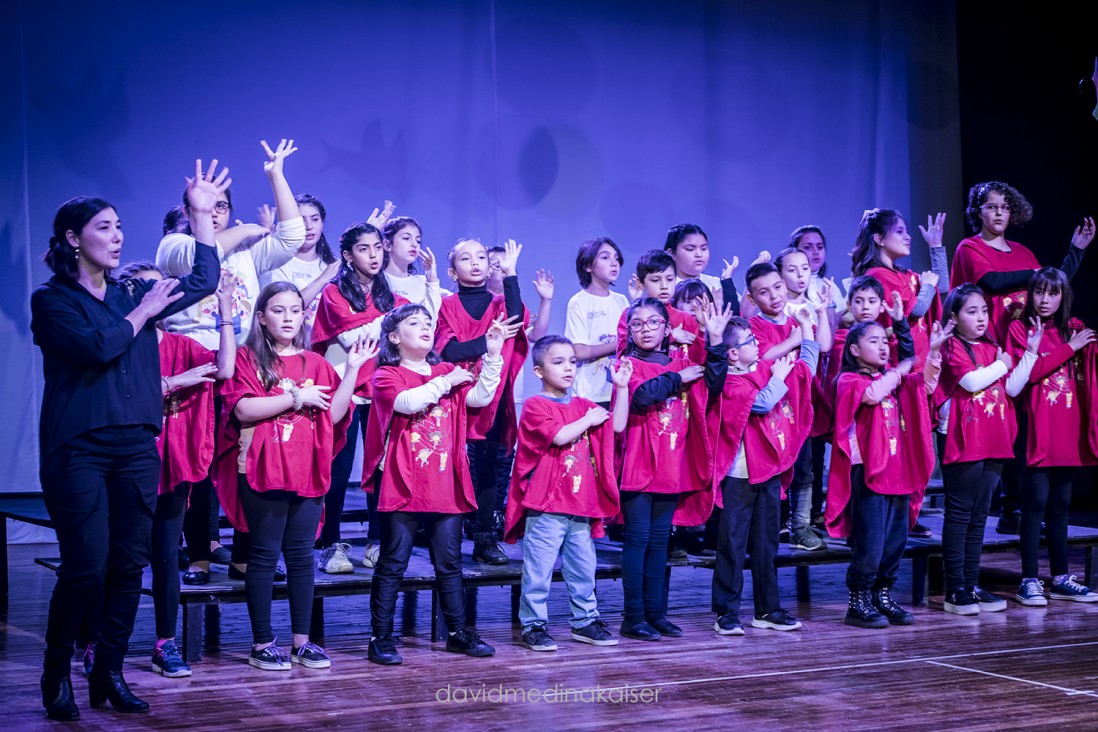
(101, 411)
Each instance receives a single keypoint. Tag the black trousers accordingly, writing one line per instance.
(284, 523)
(196, 521)
(878, 535)
(100, 491)
(398, 529)
(749, 525)
(648, 518)
(341, 475)
(1046, 496)
(968, 489)
(167, 523)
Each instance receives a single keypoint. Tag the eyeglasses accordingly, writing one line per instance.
(651, 324)
(1004, 207)
(750, 341)
(222, 207)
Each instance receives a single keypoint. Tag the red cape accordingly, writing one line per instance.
(186, 441)
(768, 333)
(894, 441)
(974, 258)
(455, 323)
(426, 468)
(291, 452)
(536, 483)
(983, 425)
(678, 319)
(907, 284)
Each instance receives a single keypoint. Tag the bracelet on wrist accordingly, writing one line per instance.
(295, 394)
(167, 389)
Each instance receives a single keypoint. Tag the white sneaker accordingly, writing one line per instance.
(334, 560)
(373, 553)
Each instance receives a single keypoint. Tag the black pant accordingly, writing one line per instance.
(749, 525)
(341, 475)
(286, 523)
(1046, 496)
(490, 463)
(196, 521)
(968, 489)
(398, 529)
(167, 524)
(878, 535)
(819, 450)
(1014, 472)
(100, 490)
(644, 552)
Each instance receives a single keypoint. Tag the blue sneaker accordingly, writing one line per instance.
(1031, 593)
(167, 662)
(1068, 589)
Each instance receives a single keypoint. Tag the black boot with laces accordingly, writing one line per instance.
(861, 613)
(896, 615)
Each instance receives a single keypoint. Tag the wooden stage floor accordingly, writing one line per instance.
(1021, 669)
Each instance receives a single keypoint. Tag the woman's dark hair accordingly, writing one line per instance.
(798, 234)
(854, 336)
(346, 278)
(73, 216)
(867, 253)
(951, 308)
(587, 253)
(646, 302)
(1020, 209)
(388, 353)
(392, 228)
(131, 270)
(323, 248)
(677, 233)
(686, 291)
(1050, 279)
(175, 222)
(867, 282)
(267, 360)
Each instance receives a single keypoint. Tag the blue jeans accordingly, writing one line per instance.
(547, 535)
(800, 490)
(878, 535)
(748, 525)
(644, 552)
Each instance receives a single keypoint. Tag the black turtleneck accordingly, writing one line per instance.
(476, 300)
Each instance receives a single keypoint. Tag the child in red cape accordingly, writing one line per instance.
(976, 432)
(760, 413)
(280, 431)
(562, 487)
(463, 321)
(414, 459)
(665, 473)
(882, 239)
(655, 278)
(1057, 406)
(351, 308)
(881, 460)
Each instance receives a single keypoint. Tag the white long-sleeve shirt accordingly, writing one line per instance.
(175, 256)
(419, 398)
(981, 378)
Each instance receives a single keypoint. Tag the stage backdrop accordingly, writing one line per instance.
(546, 122)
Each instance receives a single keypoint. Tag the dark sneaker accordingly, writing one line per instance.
(677, 551)
(1009, 523)
(383, 651)
(806, 540)
(487, 551)
(1069, 589)
(595, 633)
(860, 612)
(961, 602)
(469, 643)
(896, 615)
(728, 624)
(988, 602)
(919, 531)
(271, 658)
(311, 655)
(1031, 593)
(221, 555)
(665, 627)
(537, 638)
(166, 661)
(777, 620)
(639, 631)
(196, 577)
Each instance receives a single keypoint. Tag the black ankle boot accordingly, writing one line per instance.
(110, 686)
(57, 699)
(888, 607)
(487, 551)
(861, 613)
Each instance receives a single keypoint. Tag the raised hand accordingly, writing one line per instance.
(928, 278)
(730, 268)
(226, 288)
(360, 352)
(939, 335)
(693, 372)
(1036, 332)
(895, 309)
(636, 290)
(378, 219)
(827, 294)
(266, 217)
(430, 264)
(933, 231)
(783, 366)
(508, 261)
(496, 335)
(315, 396)
(459, 376)
(276, 157)
(596, 416)
(1084, 234)
(509, 327)
(803, 318)
(1079, 339)
(198, 375)
(1004, 358)
(204, 189)
(543, 283)
(716, 321)
(621, 372)
(763, 256)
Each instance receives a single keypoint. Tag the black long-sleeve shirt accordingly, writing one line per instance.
(476, 300)
(997, 282)
(98, 372)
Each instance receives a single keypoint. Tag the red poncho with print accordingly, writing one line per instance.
(576, 479)
(907, 284)
(335, 315)
(292, 451)
(893, 440)
(981, 425)
(769, 334)
(425, 468)
(186, 441)
(455, 323)
(974, 258)
(1058, 399)
(677, 319)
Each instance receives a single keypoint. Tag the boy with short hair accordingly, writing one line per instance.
(656, 275)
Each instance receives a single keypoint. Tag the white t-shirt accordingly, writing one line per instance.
(300, 272)
(592, 320)
(418, 291)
